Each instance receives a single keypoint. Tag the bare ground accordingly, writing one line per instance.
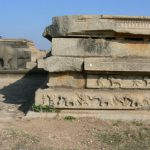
(78, 134)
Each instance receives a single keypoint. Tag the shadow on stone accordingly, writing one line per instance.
(22, 92)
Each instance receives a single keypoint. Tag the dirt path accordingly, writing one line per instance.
(78, 134)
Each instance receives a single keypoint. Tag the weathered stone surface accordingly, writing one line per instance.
(8, 57)
(95, 25)
(15, 53)
(23, 57)
(24, 45)
(116, 81)
(99, 47)
(31, 65)
(11, 58)
(19, 79)
(93, 99)
(61, 64)
(66, 80)
(117, 64)
(41, 63)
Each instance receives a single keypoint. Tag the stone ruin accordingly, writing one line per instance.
(18, 54)
(19, 76)
(97, 63)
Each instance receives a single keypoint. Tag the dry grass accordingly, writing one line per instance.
(78, 134)
(15, 139)
(136, 136)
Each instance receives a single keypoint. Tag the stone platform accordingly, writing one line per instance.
(97, 63)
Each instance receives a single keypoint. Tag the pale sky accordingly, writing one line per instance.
(28, 18)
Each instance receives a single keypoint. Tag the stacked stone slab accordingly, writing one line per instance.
(97, 62)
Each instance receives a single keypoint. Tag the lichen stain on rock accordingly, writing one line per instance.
(90, 45)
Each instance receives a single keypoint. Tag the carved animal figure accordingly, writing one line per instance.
(82, 100)
(51, 100)
(101, 101)
(146, 101)
(114, 82)
(62, 101)
(126, 101)
(137, 83)
(147, 81)
(103, 82)
(9, 57)
(123, 101)
(107, 101)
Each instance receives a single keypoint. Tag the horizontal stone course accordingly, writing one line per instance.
(61, 64)
(93, 99)
(99, 47)
(117, 64)
(67, 80)
(96, 25)
(118, 82)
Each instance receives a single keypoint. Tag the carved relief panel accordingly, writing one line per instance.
(89, 99)
(112, 81)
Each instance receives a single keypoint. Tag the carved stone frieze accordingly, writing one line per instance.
(114, 81)
(93, 99)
